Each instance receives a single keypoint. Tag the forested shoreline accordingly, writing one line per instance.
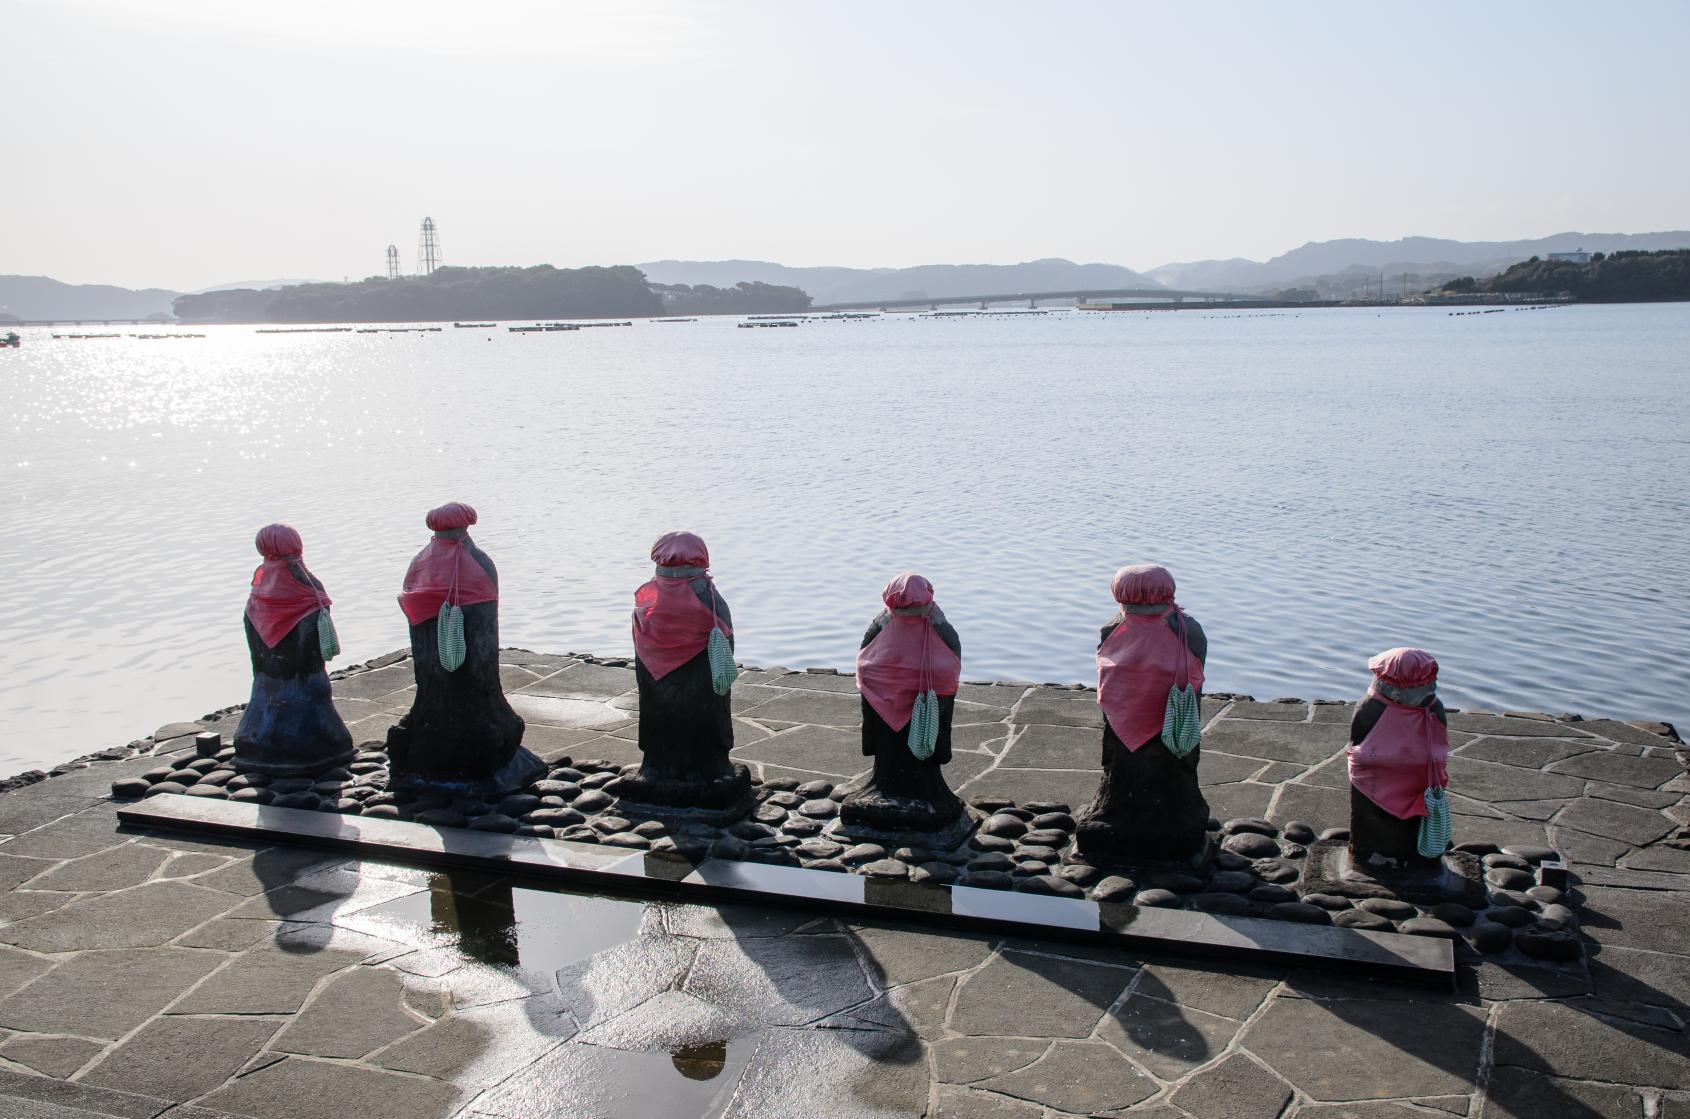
(449, 293)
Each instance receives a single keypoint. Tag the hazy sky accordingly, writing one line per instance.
(184, 143)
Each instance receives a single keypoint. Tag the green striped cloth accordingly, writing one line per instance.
(924, 725)
(328, 641)
(1433, 839)
(722, 670)
(450, 635)
(1182, 721)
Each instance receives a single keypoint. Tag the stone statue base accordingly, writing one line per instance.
(1331, 869)
(720, 800)
(895, 822)
(1148, 808)
(1136, 863)
(867, 804)
(522, 768)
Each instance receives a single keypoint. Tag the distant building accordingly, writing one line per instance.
(1580, 257)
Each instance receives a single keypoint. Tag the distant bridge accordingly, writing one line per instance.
(1031, 298)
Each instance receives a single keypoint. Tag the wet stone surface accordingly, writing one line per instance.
(156, 975)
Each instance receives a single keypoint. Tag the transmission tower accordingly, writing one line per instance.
(393, 262)
(428, 249)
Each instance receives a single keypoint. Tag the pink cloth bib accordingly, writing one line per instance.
(1136, 667)
(1406, 752)
(907, 657)
(671, 625)
(444, 572)
(278, 601)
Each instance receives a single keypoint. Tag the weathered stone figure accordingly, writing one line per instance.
(686, 723)
(1399, 749)
(460, 736)
(290, 726)
(1148, 806)
(908, 669)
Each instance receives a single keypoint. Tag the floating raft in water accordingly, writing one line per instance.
(305, 330)
(783, 322)
(399, 329)
(474, 325)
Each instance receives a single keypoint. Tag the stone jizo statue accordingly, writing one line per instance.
(683, 666)
(1149, 806)
(290, 726)
(1399, 766)
(460, 736)
(908, 670)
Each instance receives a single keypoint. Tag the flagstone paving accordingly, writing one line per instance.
(151, 975)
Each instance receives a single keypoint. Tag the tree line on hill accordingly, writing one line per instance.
(449, 293)
(1619, 277)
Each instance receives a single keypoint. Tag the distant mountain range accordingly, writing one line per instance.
(1330, 268)
(842, 285)
(1421, 256)
(39, 297)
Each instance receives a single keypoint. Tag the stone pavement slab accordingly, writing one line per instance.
(156, 975)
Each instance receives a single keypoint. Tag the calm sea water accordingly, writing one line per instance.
(1507, 490)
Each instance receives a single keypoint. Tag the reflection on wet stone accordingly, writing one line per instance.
(701, 1062)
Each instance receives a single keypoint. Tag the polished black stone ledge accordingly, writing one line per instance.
(1414, 959)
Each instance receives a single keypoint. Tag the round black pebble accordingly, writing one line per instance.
(1490, 937)
(1361, 919)
(1080, 874)
(1511, 916)
(1252, 846)
(1158, 898)
(1299, 912)
(593, 801)
(1428, 926)
(1298, 832)
(1232, 881)
(1453, 913)
(1114, 888)
(1332, 903)
(1049, 884)
(1176, 883)
(129, 788)
(1272, 895)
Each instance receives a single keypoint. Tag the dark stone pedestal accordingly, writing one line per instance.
(686, 733)
(904, 794)
(290, 727)
(718, 800)
(1381, 840)
(460, 737)
(948, 835)
(1143, 871)
(1148, 808)
(1457, 877)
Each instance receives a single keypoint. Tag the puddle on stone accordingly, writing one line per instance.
(700, 1062)
(506, 925)
(591, 1080)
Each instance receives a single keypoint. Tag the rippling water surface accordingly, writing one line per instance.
(1507, 490)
